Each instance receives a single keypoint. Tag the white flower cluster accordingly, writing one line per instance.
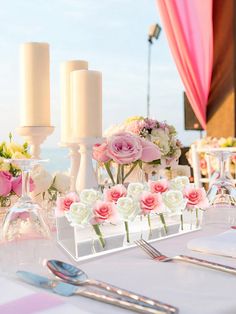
(129, 205)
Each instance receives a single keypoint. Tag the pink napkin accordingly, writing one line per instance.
(30, 304)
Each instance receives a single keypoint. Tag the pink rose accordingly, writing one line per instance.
(63, 203)
(100, 152)
(196, 197)
(5, 183)
(159, 186)
(124, 148)
(150, 151)
(104, 211)
(150, 202)
(17, 185)
(114, 193)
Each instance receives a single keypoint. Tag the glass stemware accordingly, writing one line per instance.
(222, 191)
(24, 219)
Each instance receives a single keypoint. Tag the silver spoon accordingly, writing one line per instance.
(76, 276)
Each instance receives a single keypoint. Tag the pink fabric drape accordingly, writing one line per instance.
(189, 30)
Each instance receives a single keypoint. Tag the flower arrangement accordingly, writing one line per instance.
(124, 149)
(10, 174)
(123, 204)
(212, 142)
(43, 185)
(161, 134)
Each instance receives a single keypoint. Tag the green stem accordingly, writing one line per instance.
(163, 222)
(122, 173)
(118, 175)
(99, 234)
(127, 231)
(107, 167)
(149, 223)
(197, 218)
(182, 222)
(129, 172)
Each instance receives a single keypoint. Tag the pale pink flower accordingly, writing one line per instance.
(114, 193)
(124, 148)
(151, 202)
(63, 203)
(150, 151)
(104, 211)
(159, 186)
(5, 183)
(196, 197)
(100, 152)
(150, 123)
(136, 126)
(17, 185)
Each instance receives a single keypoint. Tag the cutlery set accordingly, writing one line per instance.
(70, 280)
(75, 282)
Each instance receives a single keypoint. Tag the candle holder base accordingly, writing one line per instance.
(35, 136)
(87, 178)
(74, 162)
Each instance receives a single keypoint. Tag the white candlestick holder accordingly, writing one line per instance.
(74, 162)
(35, 136)
(87, 177)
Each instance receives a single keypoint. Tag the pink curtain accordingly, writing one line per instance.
(188, 26)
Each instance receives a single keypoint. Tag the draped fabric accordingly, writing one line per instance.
(189, 30)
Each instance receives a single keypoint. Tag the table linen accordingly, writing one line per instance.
(191, 288)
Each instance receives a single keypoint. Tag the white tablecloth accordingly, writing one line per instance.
(194, 289)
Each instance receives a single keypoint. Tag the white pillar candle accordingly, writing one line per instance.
(87, 103)
(66, 106)
(35, 85)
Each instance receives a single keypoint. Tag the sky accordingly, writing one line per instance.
(112, 36)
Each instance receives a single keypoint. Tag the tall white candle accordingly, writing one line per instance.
(35, 85)
(87, 103)
(66, 106)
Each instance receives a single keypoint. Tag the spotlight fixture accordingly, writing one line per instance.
(154, 32)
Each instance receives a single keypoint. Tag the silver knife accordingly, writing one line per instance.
(66, 289)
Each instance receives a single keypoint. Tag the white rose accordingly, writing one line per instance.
(174, 201)
(179, 183)
(135, 190)
(79, 214)
(42, 179)
(61, 182)
(89, 196)
(127, 208)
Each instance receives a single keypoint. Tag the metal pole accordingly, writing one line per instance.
(149, 76)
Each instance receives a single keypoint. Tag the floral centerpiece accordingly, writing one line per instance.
(127, 151)
(212, 142)
(121, 204)
(160, 134)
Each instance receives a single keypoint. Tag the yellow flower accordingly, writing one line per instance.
(14, 148)
(4, 166)
(18, 155)
(134, 118)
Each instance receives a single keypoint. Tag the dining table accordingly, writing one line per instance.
(193, 289)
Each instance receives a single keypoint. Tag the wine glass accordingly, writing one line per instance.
(221, 193)
(23, 223)
(222, 189)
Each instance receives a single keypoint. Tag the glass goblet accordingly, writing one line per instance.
(222, 191)
(24, 220)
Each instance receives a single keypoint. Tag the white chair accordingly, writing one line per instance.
(195, 155)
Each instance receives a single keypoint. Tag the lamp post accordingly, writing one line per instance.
(154, 32)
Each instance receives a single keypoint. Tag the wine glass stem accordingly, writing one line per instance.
(222, 167)
(25, 184)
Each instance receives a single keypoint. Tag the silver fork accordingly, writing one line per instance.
(159, 257)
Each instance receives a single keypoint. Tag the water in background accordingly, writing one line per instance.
(58, 159)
